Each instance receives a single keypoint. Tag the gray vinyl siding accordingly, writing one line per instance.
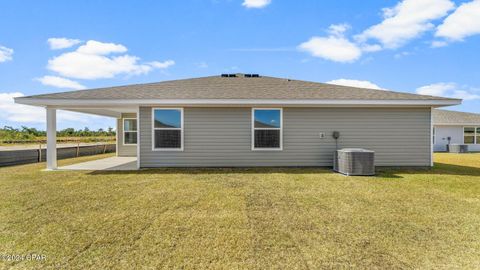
(125, 150)
(221, 137)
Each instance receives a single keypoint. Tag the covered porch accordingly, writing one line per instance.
(126, 141)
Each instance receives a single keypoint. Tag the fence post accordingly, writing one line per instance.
(104, 148)
(40, 153)
(78, 149)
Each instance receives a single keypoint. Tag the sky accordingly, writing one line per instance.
(417, 46)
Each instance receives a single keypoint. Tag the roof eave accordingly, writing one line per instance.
(215, 102)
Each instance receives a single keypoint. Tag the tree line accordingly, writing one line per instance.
(26, 133)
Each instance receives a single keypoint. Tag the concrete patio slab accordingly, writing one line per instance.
(106, 164)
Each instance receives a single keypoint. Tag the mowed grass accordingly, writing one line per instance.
(243, 218)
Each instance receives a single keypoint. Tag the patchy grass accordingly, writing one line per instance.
(243, 218)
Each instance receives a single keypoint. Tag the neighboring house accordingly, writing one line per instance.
(248, 120)
(460, 127)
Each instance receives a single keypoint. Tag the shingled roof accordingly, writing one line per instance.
(455, 118)
(235, 90)
(240, 87)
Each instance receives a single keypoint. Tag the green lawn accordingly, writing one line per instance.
(243, 218)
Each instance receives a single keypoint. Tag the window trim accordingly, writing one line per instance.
(181, 129)
(475, 134)
(123, 131)
(434, 139)
(253, 148)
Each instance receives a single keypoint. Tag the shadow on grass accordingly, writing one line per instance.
(389, 173)
(438, 169)
(263, 170)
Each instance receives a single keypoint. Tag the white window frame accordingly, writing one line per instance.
(124, 131)
(434, 139)
(475, 134)
(253, 128)
(181, 130)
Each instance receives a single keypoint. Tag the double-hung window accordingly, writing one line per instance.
(129, 131)
(471, 135)
(167, 129)
(267, 133)
(477, 140)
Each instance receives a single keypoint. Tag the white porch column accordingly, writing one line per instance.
(51, 139)
(117, 124)
(138, 138)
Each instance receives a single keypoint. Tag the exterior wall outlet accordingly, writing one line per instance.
(321, 135)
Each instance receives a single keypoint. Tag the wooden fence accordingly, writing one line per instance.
(43, 140)
(24, 156)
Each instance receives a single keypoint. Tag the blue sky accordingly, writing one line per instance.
(424, 46)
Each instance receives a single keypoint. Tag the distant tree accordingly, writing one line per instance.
(68, 132)
(8, 133)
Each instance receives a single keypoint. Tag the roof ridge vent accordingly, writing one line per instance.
(239, 75)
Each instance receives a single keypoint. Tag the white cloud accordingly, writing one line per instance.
(448, 90)
(407, 20)
(335, 47)
(338, 29)
(162, 65)
(101, 48)
(60, 82)
(465, 95)
(371, 47)
(436, 89)
(5, 54)
(62, 43)
(93, 61)
(90, 67)
(19, 113)
(464, 22)
(332, 48)
(355, 83)
(256, 3)
(10, 111)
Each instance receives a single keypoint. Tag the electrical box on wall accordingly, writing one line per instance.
(321, 135)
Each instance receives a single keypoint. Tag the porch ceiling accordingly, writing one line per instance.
(108, 112)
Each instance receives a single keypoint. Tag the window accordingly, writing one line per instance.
(167, 128)
(267, 129)
(471, 135)
(129, 131)
(468, 135)
(433, 139)
(478, 136)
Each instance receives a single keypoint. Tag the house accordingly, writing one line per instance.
(250, 120)
(460, 127)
